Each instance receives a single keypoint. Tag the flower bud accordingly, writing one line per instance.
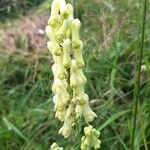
(56, 49)
(58, 67)
(67, 12)
(86, 111)
(68, 123)
(73, 80)
(87, 130)
(86, 143)
(60, 115)
(61, 34)
(74, 66)
(78, 55)
(55, 18)
(66, 128)
(54, 146)
(81, 77)
(82, 99)
(58, 71)
(66, 53)
(75, 33)
(76, 76)
(49, 46)
(73, 76)
(59, 105)
(59, 86)
(68, 33)
(62, 4)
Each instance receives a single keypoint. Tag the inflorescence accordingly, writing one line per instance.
(71, 101)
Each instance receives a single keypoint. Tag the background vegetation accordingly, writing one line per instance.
(111, 31)
(13, 8)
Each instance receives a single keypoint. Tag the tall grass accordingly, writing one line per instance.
(15, 8)
(138, 75)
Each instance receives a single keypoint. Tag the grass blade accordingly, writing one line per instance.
(113, 118)
(12, 127)
(137, 80)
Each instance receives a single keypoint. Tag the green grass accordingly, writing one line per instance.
(10, 9)
(137, 80)
(111, 34)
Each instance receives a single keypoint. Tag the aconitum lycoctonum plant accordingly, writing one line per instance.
(71, 101)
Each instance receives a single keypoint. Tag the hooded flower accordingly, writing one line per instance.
(86, 112)
(90, 139)
(69, 121)
(54, 146)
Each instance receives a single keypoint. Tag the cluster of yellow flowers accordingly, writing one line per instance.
(71, 102)
(90, 140)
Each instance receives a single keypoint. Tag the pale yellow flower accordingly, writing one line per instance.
(90, 139)
(54, 146)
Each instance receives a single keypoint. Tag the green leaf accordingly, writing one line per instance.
(113, 118)
(10, 126)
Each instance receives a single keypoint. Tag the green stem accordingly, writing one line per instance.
(137, 80)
